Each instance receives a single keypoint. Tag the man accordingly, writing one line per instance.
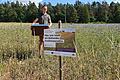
(43, 18)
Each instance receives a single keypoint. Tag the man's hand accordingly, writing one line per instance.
(33, 23)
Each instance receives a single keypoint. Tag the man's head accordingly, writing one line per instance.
(44, 9)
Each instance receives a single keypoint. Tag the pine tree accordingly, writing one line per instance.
(2, 12)
(59, 14)
(103, 12)
(91, 14)
(71, 13)
(86, 16)
(117, 13)
(32, 12)
(51, 11)
(10, 14)
(111, 12)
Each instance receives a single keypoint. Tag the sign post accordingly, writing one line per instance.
(60, 67)
(60, 58)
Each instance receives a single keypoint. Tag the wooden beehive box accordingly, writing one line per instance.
(38, 29)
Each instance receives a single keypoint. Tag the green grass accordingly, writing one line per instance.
(98, 56)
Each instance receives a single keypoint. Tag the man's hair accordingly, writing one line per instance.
(44, 6)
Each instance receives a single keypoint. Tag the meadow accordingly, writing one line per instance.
(98, 54)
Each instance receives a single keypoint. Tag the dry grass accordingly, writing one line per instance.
(98, 56)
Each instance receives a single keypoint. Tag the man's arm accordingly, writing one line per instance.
(50, 22)
(35, 21)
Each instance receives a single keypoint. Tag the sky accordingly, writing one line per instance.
(54, 2)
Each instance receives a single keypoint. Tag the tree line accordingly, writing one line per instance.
(72, 13)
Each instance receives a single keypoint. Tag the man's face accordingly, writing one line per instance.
(44, 9)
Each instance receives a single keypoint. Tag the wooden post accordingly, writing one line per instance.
(34, 39)
(60, 58)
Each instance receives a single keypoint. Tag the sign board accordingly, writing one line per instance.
(60, 42)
